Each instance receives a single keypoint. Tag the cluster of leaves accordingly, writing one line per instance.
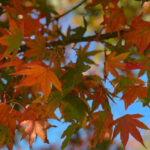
(37, 78)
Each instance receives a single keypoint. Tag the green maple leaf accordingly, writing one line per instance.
(13, 39)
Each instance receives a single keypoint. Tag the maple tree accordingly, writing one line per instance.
(39, 73)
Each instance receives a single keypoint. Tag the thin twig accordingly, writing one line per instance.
(66, 13)
(13, 102)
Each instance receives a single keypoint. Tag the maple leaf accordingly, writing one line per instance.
(138, 34)
(34, 128)
(102, 122)
(112, 62)
(17, 7)
(13, 61)
(128, 124)
(132, 66)
(115, 21)
(73, 108)
(125, 81)
(13, 39)
(68, 134)
(133, 93)
(31, 26)
(37, 49)
(6, 137)
(8, 118)
(36, 111)
(38, 73)
(99, 97)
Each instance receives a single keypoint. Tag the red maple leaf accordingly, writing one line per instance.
(133, 93)
(128, 124)
(138, 34)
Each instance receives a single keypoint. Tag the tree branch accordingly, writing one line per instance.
(66, 13)
(86, 39)
(78, 40)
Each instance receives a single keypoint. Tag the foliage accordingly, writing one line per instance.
(38, 75)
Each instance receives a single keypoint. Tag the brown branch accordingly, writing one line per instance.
(86, 39)
(102, 38)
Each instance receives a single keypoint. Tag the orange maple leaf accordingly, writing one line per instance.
(38, 73)
(115, 21)
(128, 124)
(13, 61)
(37, 111)
(34, 128)
(37, 49)
(113, 62)
(8, 118)
(133, 93)
(138, 34)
